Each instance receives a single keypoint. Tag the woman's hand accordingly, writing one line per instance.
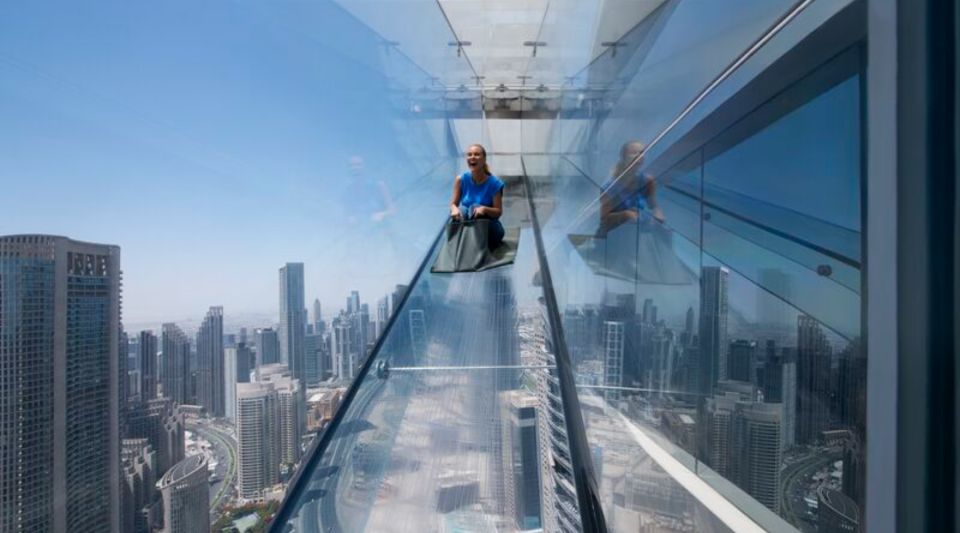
(479, 211)
(454, 213)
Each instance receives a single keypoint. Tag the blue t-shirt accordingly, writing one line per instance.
(472, 194)
(622, 198)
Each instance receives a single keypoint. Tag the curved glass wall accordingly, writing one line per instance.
(707, 264)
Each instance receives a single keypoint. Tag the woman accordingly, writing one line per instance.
(478, 194)
(628, 191)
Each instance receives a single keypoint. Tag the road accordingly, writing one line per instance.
(793, 481)
(225, 447)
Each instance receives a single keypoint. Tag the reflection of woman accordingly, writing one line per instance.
(363, 199)
(628, 191)
(478, 194)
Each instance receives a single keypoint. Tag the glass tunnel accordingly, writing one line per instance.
(678, 342)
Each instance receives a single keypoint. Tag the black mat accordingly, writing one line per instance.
(641, 254)
(465, 248)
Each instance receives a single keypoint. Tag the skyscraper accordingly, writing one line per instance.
(521, 466)
(713, 327)
(740, 361)
(789, 401)
(317, 317)
(289, 413)
(292, 319)
(613, 340)
(755, 448)
(353, 302)
(258, 442)
(268, 347)
(236, 370)
(314, 359)
(383, 315)
(186, 496)
(175, 370)
(210, 371)
(813, 380)
(59, 390)
(343, 347)
(139, 464)
(162, 424)
(147, 354)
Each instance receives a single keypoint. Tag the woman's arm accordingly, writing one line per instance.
(609, 218)
(455, 198)
(491, 212)
(650, 196)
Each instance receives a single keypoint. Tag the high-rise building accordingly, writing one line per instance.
(317, 316)
(258, 441)
(210, 367)
(383, 315)
(813, 380)
(789, 402)
(236, 370)
(292, 318)
(756, 451)
(290, 413)
(268, 347)
(175, 369)
(521, 465)
(613, 344)
(59, 390)
(162, 424)
(715, 432)
(774, 309)
(740, 360)
(344, 353)
(186, 496)
(149, 376)
(353, 302)
(139, 491)
(713, 327)
(315, 359)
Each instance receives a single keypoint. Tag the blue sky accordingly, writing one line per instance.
(210, 141)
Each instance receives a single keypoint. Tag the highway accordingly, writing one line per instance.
(225, 448)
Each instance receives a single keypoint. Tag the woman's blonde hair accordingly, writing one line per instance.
(484, 152)
(622, 165)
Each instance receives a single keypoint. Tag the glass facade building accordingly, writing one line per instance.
(730, 304)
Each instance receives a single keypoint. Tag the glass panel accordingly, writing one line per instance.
(442, 432)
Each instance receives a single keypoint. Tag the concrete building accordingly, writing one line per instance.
(713, 327)
(268, 347)
(210, 363)
(139, 497)
(315, 359)
(186, 496)
(59, 385)
(236, 370)
(175, 367)
(149, 375)
(613, 345)
(292, 318)
(521, 466)
(161, 422)
(813, 380)
(756, 451)
(258, 440)
(290, 412)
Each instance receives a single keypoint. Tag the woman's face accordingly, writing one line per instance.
(630, 152)
(475, 158)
